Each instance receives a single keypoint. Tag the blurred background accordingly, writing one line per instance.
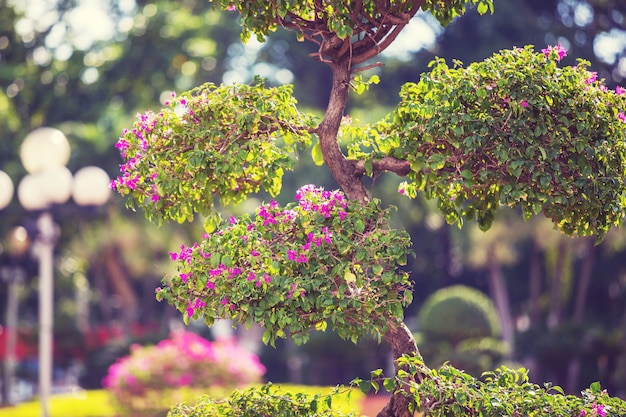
(520, 294)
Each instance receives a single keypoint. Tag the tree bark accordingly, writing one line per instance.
(401, 341)
(500, 295)
(350, 178)
(344, 171)
(586, 272)
(556, 294)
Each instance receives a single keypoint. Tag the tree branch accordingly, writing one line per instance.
(400, 167)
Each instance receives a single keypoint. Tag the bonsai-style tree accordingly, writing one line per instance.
(515, 130)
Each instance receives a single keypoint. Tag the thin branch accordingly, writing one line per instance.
(366, 67)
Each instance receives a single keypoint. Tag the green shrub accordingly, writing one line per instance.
(449, 392)
(458, 313)
(270, 400)
(460, 324)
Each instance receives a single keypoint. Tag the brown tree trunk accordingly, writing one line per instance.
(556, 294)
(344, 171)
(500, 296)
(534, 279)
(350, 179)
(121, 285)
(573, 369)
(401, 341)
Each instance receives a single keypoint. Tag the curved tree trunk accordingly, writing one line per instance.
(343, 170)
(401, 341)
(350, 179)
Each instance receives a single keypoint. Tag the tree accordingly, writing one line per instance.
(515, 129)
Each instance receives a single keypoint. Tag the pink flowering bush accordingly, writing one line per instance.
(152, 378)
(322, 259)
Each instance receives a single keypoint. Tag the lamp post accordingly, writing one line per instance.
(13, 275)
(44, 154)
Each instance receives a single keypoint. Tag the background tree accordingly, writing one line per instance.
(512, 130)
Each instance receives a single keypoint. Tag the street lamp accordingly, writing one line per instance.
(44, 154)
(13, 275)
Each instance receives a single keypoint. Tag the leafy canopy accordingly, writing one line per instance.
(343, 19)
(515, 130)
(228, 141)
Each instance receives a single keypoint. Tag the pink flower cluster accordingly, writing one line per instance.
(312, 198)
(558, 50)
(597, 410)
(183, 360)
(143, 127)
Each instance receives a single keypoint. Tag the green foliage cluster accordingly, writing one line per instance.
(514, 129)
(270, 400)
(460, 324)
(261, 17)
(449, 392)
(224, 140)
(321, 261)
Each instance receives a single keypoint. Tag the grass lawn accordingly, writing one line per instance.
(80, 403)
(83, 403)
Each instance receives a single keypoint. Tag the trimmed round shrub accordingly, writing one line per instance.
(460, 325)
(181, 368)
(457, 313)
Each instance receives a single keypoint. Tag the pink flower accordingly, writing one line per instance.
(620, 90)
(599, 409)
(622, 116)
(524, 103)
(558, 49)
(593, 76)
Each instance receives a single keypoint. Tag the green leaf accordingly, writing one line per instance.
(460, 397)
(267, 336)
(316, 153)
(389, 384)
(374, 79)
(595, 387)
(321, 326)
(348, 276)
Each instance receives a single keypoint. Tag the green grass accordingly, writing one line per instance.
(76, 404)
(97, 403)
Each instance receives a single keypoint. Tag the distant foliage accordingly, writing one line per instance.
(457, 313)
(461, 325)
(151, 378)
